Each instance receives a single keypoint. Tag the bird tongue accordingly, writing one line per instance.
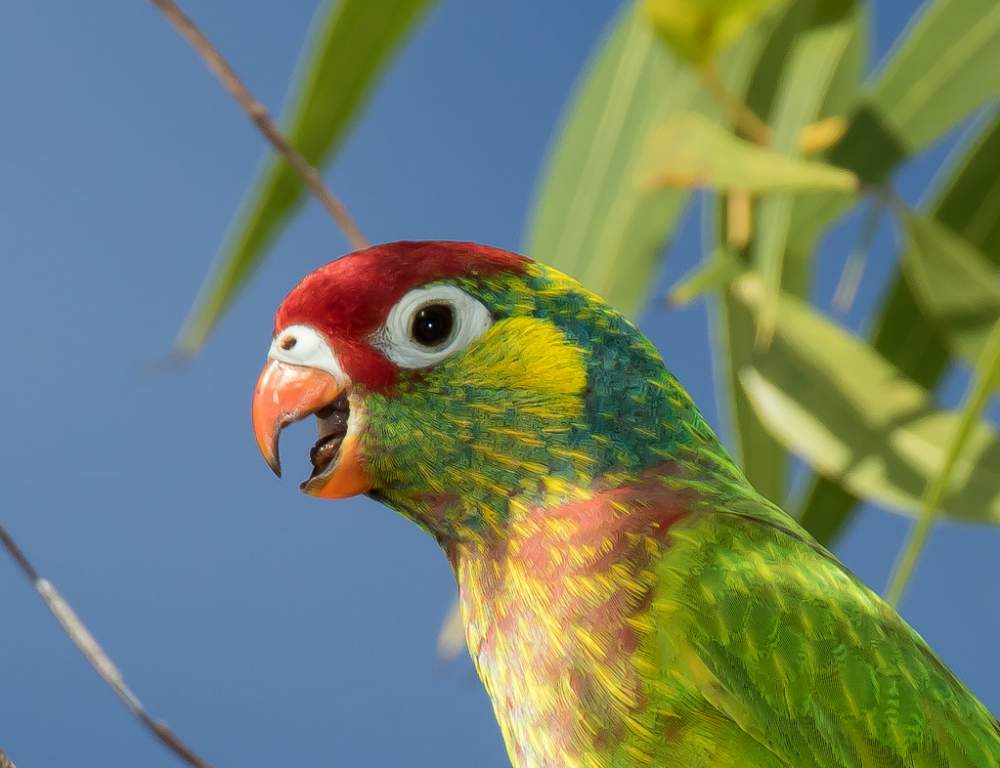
(333, 427)
(324, 452)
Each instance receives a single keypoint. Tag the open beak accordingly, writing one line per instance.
(286, 393)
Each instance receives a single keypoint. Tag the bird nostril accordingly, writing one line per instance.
(288, 342)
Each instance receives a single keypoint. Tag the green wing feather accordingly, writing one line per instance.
(769, 631)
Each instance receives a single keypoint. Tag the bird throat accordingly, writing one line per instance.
(550, 614)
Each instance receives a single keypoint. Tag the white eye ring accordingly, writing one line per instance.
(470, 319)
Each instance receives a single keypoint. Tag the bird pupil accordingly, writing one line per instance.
(432, 324)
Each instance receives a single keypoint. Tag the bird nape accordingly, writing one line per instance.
(629, 599)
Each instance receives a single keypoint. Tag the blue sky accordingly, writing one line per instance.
(266, 627)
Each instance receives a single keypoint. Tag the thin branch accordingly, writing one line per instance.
(95, 655)
(260, 117)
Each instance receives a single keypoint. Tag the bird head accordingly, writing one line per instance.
(452, 380)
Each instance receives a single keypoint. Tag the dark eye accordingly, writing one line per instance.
(432, 324)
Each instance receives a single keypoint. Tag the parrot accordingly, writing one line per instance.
(628, 598)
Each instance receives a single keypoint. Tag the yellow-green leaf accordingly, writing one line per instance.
(711, 274)
(815, 60)
(351, 44)
(764, 460)
(690, 151)
(958, 290)
(587, 220)
(855, 418)
(697, 30)
(944, 67)
(590, 219)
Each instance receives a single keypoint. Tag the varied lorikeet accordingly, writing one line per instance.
(629, 599)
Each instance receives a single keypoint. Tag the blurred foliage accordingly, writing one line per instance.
(762, 105)
(855, 417)
(955, 286)
(697, 30)
(691, 150)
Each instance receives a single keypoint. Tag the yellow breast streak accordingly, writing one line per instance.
(549, 628)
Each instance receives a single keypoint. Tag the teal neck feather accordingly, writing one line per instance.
(460, 447)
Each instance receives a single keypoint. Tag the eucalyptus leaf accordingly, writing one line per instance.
(711, 274)
(957, 289)
(857, 419)
(814, 63)
(967, 201)
(692, 151)
(350, 46)
(764, 459)
(590, 219)
(945, 66)
(984, 379)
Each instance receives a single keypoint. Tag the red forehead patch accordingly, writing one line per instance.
(348, 299)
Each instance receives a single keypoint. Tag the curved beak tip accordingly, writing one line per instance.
(285, 394)
(268, 447)
(275, 465)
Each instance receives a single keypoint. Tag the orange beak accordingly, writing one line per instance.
(287, 393)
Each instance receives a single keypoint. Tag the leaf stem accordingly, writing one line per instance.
(976, 397)
(258, 114)
(742, 117)
(854, 267)
(95, 655)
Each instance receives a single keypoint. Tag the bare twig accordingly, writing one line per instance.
(259, 115)
(94, 654)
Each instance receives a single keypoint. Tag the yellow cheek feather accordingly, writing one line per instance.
(530, 355)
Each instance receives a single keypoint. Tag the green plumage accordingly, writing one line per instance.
(629, 599)
(803, 659)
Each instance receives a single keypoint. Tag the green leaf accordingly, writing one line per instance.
(591, 220)
(957, 289)
(690, 150)
(968, 203)
(813, 69)
(350, 46)
(857, 419)
(764, 459)
(713, 273)
(944, 68)
(697, 30)
(588, 221)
